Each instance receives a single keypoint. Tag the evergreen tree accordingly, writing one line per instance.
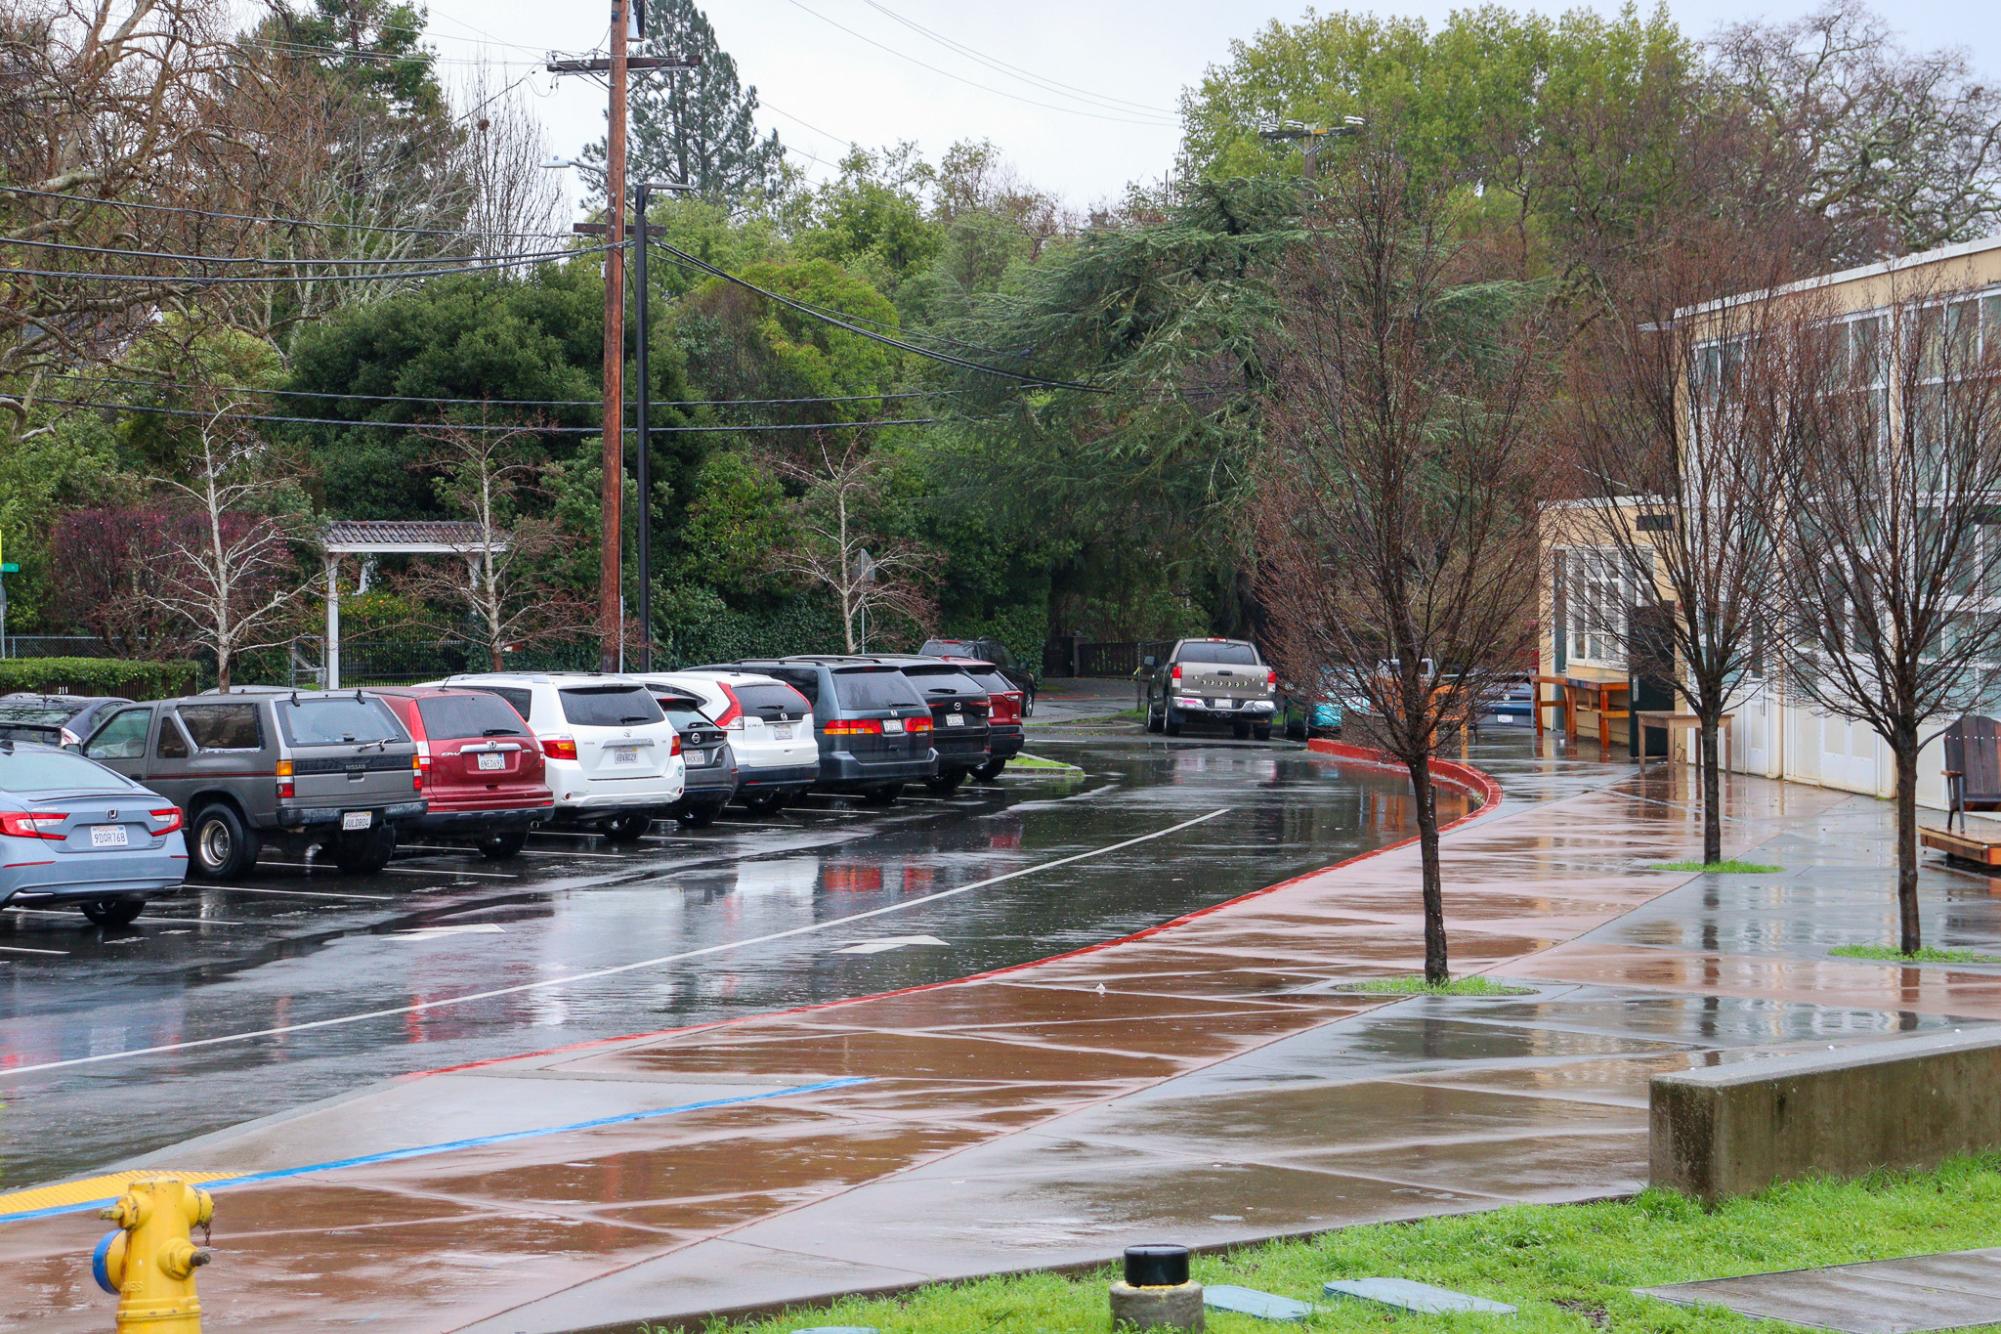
(697, 125)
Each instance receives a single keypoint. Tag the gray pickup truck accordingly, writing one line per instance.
(1217, 680)
(294, 767)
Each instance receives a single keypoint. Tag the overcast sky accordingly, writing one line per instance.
(1110, 71)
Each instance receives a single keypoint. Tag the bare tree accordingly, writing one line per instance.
(841, 547)
(233, 576)
(501, 155)
(1406, 475)
(1888, 464)
(1665, 445)
(490, 480)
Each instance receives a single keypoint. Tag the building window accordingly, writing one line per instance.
(1600, 596)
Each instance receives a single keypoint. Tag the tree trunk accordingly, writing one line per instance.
(1909, 937)
(222, 665)
(1436, 970)
(1712, 793)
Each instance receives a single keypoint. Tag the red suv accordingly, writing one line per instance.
(1005, 737)
(483, 771)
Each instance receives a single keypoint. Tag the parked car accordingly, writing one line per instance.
(959, 710)
(873, 727)
(75, 832)
(610, 756)
(267, 764)
(56, 720)
(993, 651)
(770, 727)
(1220, 680)
(1511, 702)
(705, 750)
(1005, 735)
(484, 774)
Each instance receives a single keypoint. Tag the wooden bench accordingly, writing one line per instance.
(1670, 722)
(1972, 768)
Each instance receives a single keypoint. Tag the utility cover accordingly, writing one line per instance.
(1249, 1301)
(1404, 1295)
(1923, 1292)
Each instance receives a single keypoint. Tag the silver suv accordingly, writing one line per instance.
(296, 767)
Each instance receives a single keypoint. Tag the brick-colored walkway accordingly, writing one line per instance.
(1203, 1083)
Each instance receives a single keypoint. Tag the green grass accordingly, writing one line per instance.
(1731, 867)
(1570, 1268)
(1025, 761)
(1417, 986)
(1886, 954)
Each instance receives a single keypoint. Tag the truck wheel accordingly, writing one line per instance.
(701, 817)
(1153, 720)
(627, 828)
(1262, 731)
(113, 912)
(365, 853)
(1172, 723)
(220, 846)
(947, 783)
(883, 796)
(499, 847)
(991, 770)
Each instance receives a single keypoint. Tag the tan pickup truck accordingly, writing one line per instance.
(1217, 680)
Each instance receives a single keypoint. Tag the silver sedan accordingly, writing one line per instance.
(74, 832)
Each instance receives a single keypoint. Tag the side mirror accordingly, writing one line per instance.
(1149, 662)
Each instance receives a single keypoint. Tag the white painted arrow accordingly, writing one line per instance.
(435, 932)
(889, 943)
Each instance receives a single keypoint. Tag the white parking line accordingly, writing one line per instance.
(302, 893)
(21, 949)
(150, 917)
(397, 870)
(616, 969)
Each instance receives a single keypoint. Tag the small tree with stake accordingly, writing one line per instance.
(841, 547)
(1402, 475)
(1888, 465)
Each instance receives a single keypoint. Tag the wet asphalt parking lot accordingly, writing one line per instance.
(228, 1002)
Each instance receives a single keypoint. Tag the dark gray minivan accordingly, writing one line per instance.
(873, 726)
(296, 767)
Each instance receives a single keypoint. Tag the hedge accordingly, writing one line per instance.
(99, 676)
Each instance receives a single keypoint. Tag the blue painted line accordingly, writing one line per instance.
(453, 1146)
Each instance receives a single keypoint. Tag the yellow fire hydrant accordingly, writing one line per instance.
(150, 1261)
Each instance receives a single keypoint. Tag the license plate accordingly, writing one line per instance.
(955, 720)
(892, 727)
(624, 754)
(1219, 703)
(697, 758)
(492, 759)
(357, 819)
(108, 836)
(782, 733)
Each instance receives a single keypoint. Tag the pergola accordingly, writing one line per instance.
(392, 537)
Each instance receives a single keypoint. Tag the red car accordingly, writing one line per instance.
(1005, 737)
(483, 771)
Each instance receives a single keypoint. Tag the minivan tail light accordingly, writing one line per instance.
(859, 726)
(731, 719)
(30, 824)
(916, 724)
(559, 748)
(286, 788)
(166, 822)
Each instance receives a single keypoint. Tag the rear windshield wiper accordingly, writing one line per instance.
(633, 718)
(500, 731)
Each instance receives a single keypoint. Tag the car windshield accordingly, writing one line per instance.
(456, 716)
(865, 688)
(774, 703)
(35, 769)
(609, 706)
(1226, 655)
(335, 720)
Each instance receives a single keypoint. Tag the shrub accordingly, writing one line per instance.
(99, 676)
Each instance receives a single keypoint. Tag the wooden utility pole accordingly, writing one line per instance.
(611, 610)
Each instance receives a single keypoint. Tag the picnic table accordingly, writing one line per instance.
(1609, 699)
(1669, 721)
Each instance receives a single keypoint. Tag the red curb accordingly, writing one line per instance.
(1466, 777)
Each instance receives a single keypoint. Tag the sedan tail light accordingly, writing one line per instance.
(167, 821)
(36, 824)
(559, 747)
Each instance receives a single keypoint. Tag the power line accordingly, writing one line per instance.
(485, 426)
(128, 382)
(290, 279)
(898, 343)
(316, 223)
(973, 83)
(287, 260)
(1026, 75)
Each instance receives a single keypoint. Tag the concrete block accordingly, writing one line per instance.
(1249, 1301)
(1176, 1308)
(1904, 1103)
(1421, 1298)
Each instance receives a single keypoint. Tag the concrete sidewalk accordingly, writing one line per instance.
(1206, 1083)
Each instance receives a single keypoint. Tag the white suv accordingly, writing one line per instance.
(614, 761)
(771, 731)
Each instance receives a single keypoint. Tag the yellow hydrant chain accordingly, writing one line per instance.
(150, 1262)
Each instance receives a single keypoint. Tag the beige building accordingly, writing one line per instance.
(1587, 589)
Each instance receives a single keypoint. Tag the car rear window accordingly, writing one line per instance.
(685, 713)
(223, 726)
(458, 716)
(1226, 655)
(521, 701)
(29, 769)
(335, 720)
(942, 682)
(875, 688)
(773, 703)
(991, 681)
(608, 706)
(32, 722)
